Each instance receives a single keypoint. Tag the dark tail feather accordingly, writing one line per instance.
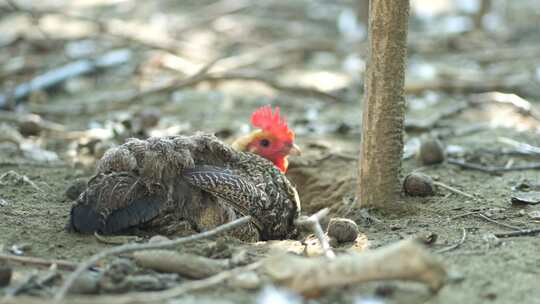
(139, 211)
(84, 218)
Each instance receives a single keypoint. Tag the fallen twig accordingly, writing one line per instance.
(186, 287)
(491, 169)
(523, 232)
(521, 147)
(523, 106)
(26, 284)
(462, 131)
(136, 247)
(58, 75)
(116, 103)
(151, 297)
(453, 190)
(116, 239)
(61, 264)
(18, 178)
(405, 260)
(313, 222)
(487, 218)
(187, 265)
(456, 245)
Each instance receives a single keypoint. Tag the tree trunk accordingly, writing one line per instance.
(384, 104)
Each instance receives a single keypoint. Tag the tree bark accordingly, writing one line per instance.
(384, 104)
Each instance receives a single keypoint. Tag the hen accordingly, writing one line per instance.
(186, 184)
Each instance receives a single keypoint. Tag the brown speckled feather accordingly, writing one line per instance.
(162, 184)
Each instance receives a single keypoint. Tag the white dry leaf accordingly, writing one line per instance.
(368, 300)
(35, 153)
(273, 295)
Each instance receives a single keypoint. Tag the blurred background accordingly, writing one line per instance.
(78, 77)
(93, 72)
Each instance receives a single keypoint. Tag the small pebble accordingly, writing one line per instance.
(86, 283)
(418, 184)
(431, 152)
(455, 277)
(395, 227)
(5, 275)
(30, 127)
(76, 188)
(342, 229)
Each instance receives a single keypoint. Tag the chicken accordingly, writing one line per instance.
(273, 140)
(187, 184)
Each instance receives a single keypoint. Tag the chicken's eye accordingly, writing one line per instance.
(265, 143)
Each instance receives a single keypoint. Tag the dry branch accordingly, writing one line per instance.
(405, 260)
(58, 75)
(453, 190)
(187, 265)
(521, 147)
(456, 245)
(492, 169)
(314, 223)
(123, 101)
(24, 260)
(137, 247)
(487, 218)
(522, 106)
(524, 232)
(148, 297)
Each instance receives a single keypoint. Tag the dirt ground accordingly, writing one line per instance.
(457, 79)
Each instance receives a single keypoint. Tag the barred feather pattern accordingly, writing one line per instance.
(187, 181)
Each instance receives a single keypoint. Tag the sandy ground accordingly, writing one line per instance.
(489, 269)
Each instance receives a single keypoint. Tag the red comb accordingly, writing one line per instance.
(264, 119)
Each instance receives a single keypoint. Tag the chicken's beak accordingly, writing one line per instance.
(295, 150)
